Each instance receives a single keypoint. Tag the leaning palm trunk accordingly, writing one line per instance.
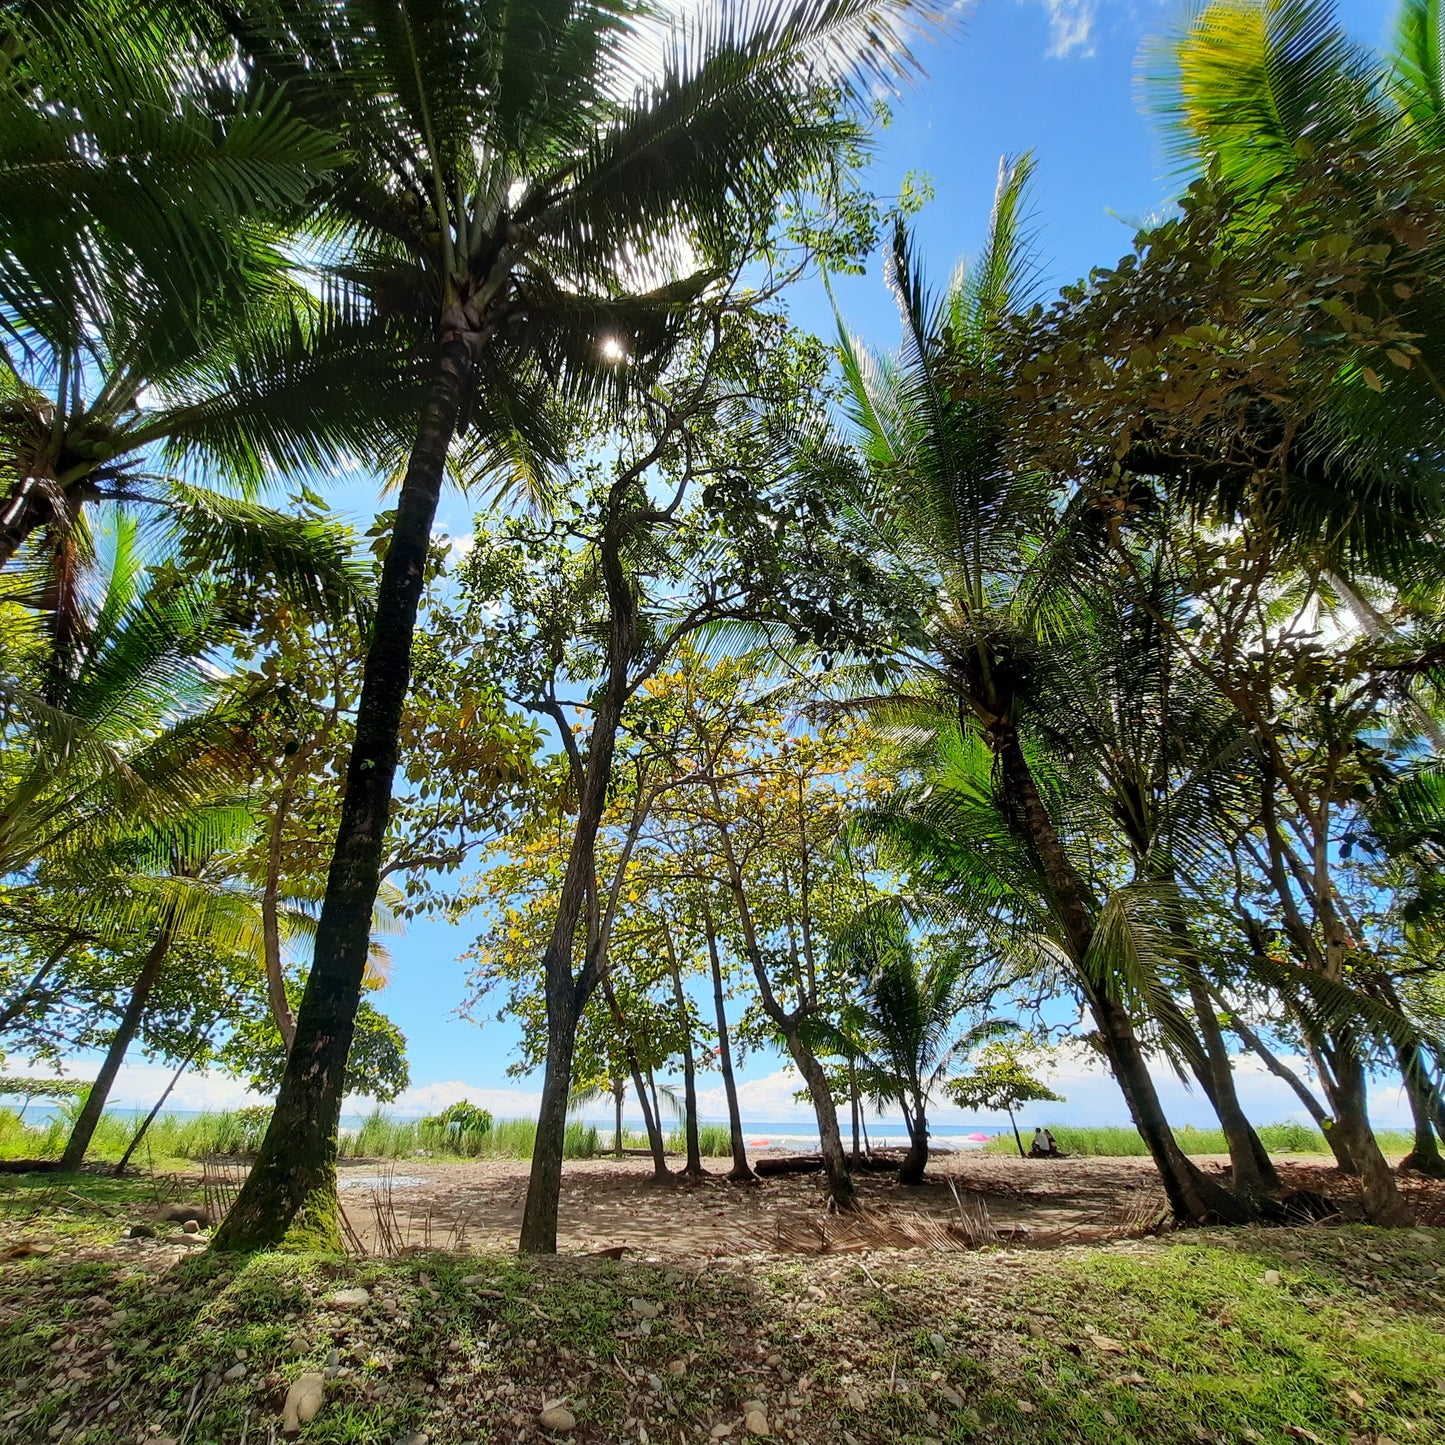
(1192, 1195)
(293, 1181)
(1346, 1090)
(95, 1101)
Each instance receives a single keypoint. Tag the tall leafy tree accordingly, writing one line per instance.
(520, 179)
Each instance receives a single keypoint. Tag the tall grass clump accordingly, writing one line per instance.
(715, 1141)
(1115, 1142)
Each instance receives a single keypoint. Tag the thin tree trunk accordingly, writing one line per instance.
(159, 1105)
(130, 1021)
(1303, 1093)
(693, 1168)
(840, 1182)
(270, 921)
(292, 1185)
(31, 991)
(853, 1101)
(1251, 1177)
(1018, 1138)
(656, 1146)
(618, 1097)
(741, 1171)
(1193, 1196)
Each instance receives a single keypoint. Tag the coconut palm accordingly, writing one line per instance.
(149, 317)
(903, 1021)
(522, 184)
(987, 556)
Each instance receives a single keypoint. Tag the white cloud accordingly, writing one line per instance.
(1071, 27)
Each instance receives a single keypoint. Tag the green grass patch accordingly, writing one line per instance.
(715, 1141)
(174, 1138)
(1277, 1336)
(1117, 1142)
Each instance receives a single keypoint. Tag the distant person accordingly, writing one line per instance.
(1043, 1145)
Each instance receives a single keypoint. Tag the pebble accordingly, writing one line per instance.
(349, 1298)
(940, 1345)
(236, 1372)
(721, 1431)
(303, 1401)
(645, 1309)
(557, 1418)
(756, 1423)
(676, 1367)
(1271, 1276)
(140, 1231)
(191, 1227)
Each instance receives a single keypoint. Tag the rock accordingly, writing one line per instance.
(140, 1231)
(468, 1280)
(645, 1309)
(1035, 1329)
(191, 1226)
(236, 1372)
(754, 1407)
(185, 1214)
(557, 1418)
(333, 1363)
(756, 1423)
(349, 1298)
(951, 1395)
(303, 1401)
(721, 1431)
(940, 1345)
(1271, 1277)
(1024, 1407)
(676, 1367)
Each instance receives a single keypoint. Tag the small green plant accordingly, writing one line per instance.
(464, 1126)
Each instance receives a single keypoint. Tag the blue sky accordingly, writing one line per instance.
(1054, 76)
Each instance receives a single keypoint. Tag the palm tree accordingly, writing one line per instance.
(519, 177)
(148, 313)
(981, 548)
(902, 1021)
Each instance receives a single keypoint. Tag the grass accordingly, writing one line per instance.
(1114, 1142)
(1276, 1336)
(715, 1141)
(172, 1138)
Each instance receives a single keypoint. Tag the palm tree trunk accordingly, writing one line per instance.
(741, 1171)
(1193, 1196)
(693, 1169)
(95, 1100)
(916, 1160)
(618, 1098)
(292, 1185)
(1424, 1156)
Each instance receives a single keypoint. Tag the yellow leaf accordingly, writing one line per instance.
(1372, 379)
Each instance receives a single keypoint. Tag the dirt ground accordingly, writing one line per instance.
(612, 1203)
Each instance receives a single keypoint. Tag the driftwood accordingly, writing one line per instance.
(880, 1161)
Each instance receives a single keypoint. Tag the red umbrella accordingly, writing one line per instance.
(978, 1138)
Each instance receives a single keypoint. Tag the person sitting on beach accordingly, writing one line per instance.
(1043, 1145)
